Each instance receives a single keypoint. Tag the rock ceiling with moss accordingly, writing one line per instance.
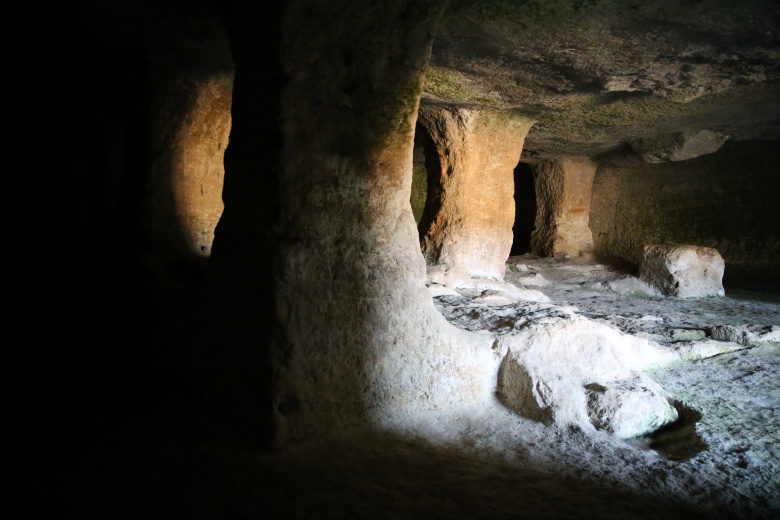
(596, 74)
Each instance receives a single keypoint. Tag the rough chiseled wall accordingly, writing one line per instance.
(563, 197)
(727, 200)
(468, 227)
(190, 132)
(166, 144)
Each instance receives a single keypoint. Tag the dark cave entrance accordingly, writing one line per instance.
(422, 142)
(525, 209)
(426, 182)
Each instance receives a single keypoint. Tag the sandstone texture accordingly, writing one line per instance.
(561, 368)
(338, 279)
(594, 388)
(191, 129)
(683, 271)
(468, 220)
(563, 196)
(724, 393)
(678, 147)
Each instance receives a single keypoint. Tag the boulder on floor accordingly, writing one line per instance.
(683, 271)
(565, 369)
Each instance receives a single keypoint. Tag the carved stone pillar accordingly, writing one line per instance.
(467, 223)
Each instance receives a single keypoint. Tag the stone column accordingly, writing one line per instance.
(467, 226)
(317, 249)
(563, 194)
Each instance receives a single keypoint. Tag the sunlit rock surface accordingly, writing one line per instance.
(683, 271)
(585, 374)
(568, 362)
(441, 280)
(563, 368)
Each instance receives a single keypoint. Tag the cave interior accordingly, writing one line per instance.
(226, 221)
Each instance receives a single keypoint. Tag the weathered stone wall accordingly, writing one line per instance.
(468, 227)
(726, 200)
(190, 129)
(563, 197)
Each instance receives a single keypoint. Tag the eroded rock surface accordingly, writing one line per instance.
(563, 368)
(467, 224)
(329, 264)
(725, 200)
(321, 243)
(678, 147)
(191, 130)
(563, 194)
(598, 74)
(580, 357)
(610, 292)
(747, 335)
(683, 271)
(586, 374)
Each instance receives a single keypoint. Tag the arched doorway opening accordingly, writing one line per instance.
(419, 172)
(525, 209)
(426, 182)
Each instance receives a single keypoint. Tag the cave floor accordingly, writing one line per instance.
(722, 458)
(160, 455)
(608, 291)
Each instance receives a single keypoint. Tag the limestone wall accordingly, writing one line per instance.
(190, 132)
(563, 197)
(727, 200)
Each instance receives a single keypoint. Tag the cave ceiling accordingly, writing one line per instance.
(593, 74)
(596, 74)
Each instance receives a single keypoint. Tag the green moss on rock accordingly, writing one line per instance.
(445, 84)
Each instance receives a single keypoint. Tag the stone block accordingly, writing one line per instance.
(683, 271)
(565, 369)
(628, 408)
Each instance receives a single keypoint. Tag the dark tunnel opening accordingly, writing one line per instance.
(525, 209)
(427, 188)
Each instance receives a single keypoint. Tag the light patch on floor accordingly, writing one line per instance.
(722, 459)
